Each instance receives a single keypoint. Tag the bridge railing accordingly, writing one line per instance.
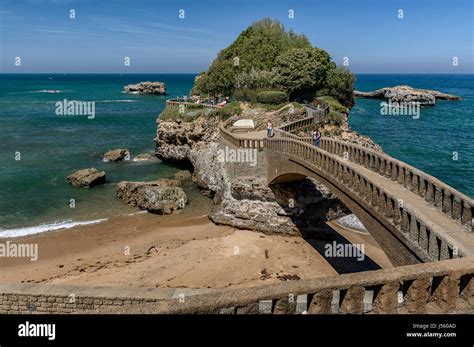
(284, 134)
(430, 241)
(241, 142)
(298, 124)
(447, 199)
(446, 285)
(453, 203)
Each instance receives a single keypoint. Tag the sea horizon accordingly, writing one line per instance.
(196, 73)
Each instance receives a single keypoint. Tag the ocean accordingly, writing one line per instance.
(34, 193)
(439, 142)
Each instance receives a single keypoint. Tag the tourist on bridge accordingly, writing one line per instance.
(269, 129)
(316, 137)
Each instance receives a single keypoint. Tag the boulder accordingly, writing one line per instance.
(162, 196)
(291, 208)
(116, 155)
(145, 157)
(407, 95)
(146, 88)
(182, 175)
(87, 178)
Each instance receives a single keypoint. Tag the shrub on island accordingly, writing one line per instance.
(192, 112)
(274, 97)
(334, 105)
(335, 118)
(257, 47)
(245, 94)
(339, 85)
(229, 110)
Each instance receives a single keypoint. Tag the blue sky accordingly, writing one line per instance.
(151, 33)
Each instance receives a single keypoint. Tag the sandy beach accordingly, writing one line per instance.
(182, 250)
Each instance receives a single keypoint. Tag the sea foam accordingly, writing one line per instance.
(351, 222)
(25, 231)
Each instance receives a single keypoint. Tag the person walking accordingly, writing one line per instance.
(269, 129)
(316, 137)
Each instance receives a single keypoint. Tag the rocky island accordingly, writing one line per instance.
(241, 196)
(406, 94)
(146, 88)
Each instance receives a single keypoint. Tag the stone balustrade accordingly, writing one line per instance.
(429, 241)
(447, 199)
(241, 142)
(298, 124)
(441, 287)
(284, 134)
(445, 286)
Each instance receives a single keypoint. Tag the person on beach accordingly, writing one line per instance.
(269, 129)
(316, 137)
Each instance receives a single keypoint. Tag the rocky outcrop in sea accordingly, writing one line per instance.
(115, 155)
(162, 196)
(407, 95)
(146, 88)
(87, 178)
(145, 157)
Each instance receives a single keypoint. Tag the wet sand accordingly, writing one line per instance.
(179, 250)
(163, 251)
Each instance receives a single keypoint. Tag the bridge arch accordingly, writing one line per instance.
(285, 169)
(413, 216)
(404, 224)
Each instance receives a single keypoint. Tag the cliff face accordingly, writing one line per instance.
(241, 196)
(196, 143)
(176, 139)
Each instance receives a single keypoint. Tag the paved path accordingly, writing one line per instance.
(259, 135)
(455, 230)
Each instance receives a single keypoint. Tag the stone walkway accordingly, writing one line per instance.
(416, 203)
(259, 135)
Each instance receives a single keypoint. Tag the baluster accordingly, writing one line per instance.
(447, 202)
(466, 217)
(401, 174)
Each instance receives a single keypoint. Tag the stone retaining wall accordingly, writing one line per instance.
(440, 287)
(45, 298)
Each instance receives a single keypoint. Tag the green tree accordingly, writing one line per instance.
(302, 71)
(256, 48)
(339, 85)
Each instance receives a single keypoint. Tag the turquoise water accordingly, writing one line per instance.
(430, 141)
(34, 189)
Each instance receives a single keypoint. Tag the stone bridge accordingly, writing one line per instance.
(412, 215)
